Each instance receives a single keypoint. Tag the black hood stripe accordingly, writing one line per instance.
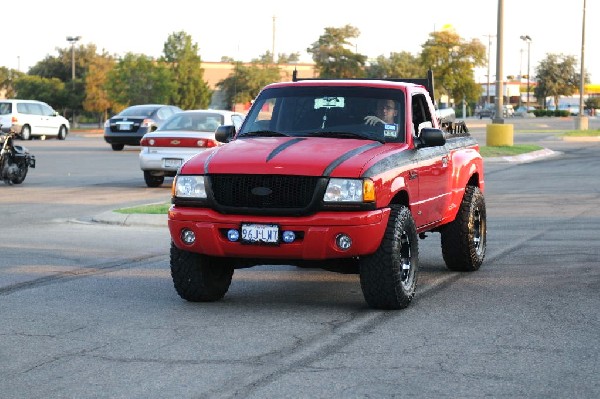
(348, 155)
(283, 146)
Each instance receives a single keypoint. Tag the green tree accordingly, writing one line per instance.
(96, 97)
(139, 79)
(48, 90)
(244, 84)
(452, 60)
(190, 91)
(398, 65)
(7, 81)
(556, 76)
(333, 58)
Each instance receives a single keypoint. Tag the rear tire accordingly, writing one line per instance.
(153, 181)
(26, 133)
(199, 278)
(464, 239)
(117, 147)
(388, 277)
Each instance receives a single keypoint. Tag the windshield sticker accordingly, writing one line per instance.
(390, 130)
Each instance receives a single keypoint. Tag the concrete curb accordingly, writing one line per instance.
(525, 158)
(133, 219)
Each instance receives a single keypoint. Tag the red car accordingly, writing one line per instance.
(344, 175)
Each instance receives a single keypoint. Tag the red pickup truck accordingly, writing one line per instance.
(343, 175)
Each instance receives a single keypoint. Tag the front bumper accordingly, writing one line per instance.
(317, 234)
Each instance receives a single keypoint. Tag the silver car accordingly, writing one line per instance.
(179, 138)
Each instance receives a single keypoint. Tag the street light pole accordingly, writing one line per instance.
(73, 40)
(527, 39)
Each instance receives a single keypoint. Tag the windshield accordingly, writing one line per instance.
(329, 111)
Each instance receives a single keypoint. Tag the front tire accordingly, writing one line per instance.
(62, 133)
(20, 177)
(199, 278)
(464, 239)
(388, 277)
(153, 181)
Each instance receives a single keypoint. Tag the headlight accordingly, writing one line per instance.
(349, 190)
(189, 187)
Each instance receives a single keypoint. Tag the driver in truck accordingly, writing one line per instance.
(386, 112)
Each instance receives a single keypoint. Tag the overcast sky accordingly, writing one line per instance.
(247, 29)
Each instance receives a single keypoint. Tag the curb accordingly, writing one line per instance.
(525, 158)
(132, 219)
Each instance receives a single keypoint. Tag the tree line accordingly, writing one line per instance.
(104, 83)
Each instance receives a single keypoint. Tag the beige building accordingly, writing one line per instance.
(215, 72)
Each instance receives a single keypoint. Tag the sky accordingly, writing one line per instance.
(245, 30)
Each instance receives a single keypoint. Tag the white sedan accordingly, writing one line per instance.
(179, 138)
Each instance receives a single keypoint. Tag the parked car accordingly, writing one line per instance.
(180, 137)
(129, 126)
(486, 112)
(31, 118)
(525, 111)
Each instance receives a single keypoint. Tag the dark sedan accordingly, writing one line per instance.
(130, 125)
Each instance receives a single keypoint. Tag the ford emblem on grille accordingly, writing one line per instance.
(261, 191)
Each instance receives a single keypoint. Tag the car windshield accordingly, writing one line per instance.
(347, 112)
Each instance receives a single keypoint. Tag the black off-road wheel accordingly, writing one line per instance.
(388, 277)
(199, 278)
(464, 239)
(153, 181)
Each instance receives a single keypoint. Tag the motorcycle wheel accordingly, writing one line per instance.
(20, 177)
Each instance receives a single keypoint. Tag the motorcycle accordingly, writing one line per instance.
(15, 160)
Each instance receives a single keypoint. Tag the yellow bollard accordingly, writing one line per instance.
(499, 135)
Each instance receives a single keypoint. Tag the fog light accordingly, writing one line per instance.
(233, 235)
(289, 236)
(343, 241)
(188, 236)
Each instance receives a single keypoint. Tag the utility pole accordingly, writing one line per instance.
(489, 36)
(273, 43)
(527, 39)
(73, 40)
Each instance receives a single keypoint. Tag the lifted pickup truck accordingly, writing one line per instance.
(343, 175)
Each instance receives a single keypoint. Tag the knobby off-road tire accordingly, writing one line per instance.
(388, 277)
(153, 181)
(464, 239)
(199, 278)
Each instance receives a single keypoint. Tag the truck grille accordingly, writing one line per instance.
(263, 191)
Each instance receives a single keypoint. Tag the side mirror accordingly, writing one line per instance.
(431, 137)
(224, 133)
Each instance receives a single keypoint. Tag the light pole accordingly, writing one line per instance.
(527, 39)
(73, 40)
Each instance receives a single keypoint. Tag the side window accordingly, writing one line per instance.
(35, 109)
(5, 108)
(23, 108)
(420, 113)
(47, 110)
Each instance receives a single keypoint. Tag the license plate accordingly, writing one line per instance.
(172, 162)
(124, 126)
(260, 233)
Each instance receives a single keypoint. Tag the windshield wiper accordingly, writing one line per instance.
(263, 133)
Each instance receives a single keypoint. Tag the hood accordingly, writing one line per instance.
(286, 155)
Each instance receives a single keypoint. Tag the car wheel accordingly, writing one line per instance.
(62, 133)
(153, 181)
(199, 278)
(26, 133)
(464, 239)
(388, 277)
(117, 147)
